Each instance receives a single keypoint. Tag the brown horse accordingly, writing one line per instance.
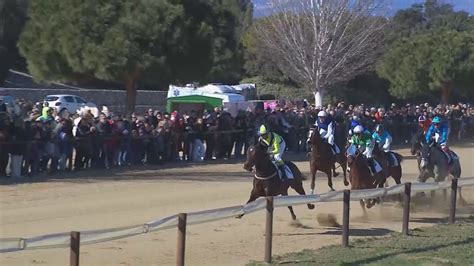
(360, 176)
(266, 180)
(323, 159)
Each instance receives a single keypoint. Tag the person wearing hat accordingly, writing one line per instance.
(382, 138)
(326, 128)
(438, 132)
(276, 147)
(362, 139)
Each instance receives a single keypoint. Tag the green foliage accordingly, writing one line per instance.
(156, 42)
(431, 61)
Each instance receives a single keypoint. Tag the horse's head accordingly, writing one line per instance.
(352, 154)
(314, 138)
(415, 144)
(254, 153)
(425, 152)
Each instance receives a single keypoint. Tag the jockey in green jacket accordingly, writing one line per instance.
(362, 139)
(276, 146)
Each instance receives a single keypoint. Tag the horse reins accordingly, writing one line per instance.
(266, 178)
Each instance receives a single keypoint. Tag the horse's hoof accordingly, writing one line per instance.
(310, 206)
(311, 192)
(336, 174)
(332, 189)
(239, 217)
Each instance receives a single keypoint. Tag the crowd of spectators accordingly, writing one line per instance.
(39, 141)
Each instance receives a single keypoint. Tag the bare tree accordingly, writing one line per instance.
(319, 43)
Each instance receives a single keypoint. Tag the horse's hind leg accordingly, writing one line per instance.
(298, 187)
(344, 172)
(285, 193)
(329, 174)
(334, 173)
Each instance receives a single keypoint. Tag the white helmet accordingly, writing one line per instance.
(322, 114)
(358, 129)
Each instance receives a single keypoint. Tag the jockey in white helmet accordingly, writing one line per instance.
(327, 127)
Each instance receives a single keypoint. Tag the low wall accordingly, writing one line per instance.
(113, 99)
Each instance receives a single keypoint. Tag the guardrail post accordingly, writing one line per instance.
(345, 218)
(452, 209)
(406, 208)
(75, 247)
(269, 230)
(181, 239)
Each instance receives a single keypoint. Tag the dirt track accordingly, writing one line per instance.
(111, 199)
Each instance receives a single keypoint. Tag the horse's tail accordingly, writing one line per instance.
(296, 172)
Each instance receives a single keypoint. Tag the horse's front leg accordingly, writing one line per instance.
(344, 172)
(313, 178)
(254, 194)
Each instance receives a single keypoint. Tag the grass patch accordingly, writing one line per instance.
(437, 245)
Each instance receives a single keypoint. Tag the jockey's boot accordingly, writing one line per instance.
(283, 172)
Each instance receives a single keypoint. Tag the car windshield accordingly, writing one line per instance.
(51, 98)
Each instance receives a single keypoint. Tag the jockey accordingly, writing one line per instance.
(382, 138)
(439, 133)
(276, 146)
(424, 123)
(362, 139)
(327, 127)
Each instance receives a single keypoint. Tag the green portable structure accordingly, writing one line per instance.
(192, 102)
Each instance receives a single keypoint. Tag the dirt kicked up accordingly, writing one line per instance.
(105, 199)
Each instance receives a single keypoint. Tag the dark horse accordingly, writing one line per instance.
(360, 175)
(432, 162)
(323, 159)
(393, 169)
(266, 180)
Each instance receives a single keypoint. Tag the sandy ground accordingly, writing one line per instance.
(106, 199)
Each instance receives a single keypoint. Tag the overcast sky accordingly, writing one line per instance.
(467, 5)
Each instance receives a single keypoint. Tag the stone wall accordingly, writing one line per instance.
(113, 99)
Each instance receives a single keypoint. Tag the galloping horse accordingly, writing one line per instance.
(360, 175)
(323, 159)
(432, 162)
(266, 180)
(393, 169)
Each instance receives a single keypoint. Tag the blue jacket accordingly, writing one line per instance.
(442, 131)
(381, 139)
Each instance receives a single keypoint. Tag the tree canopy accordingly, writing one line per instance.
(431, 50)
(149, 41)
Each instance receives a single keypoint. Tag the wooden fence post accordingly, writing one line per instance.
(75, 248)
(406, 208)
(269, 230)
(452, 209)
(345, 218)
(181, 239)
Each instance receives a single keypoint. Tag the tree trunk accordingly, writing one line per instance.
(131, 88)
(445, 92)
(318, 98)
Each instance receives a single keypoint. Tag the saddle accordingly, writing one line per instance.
(289, 173)
(392, 159)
